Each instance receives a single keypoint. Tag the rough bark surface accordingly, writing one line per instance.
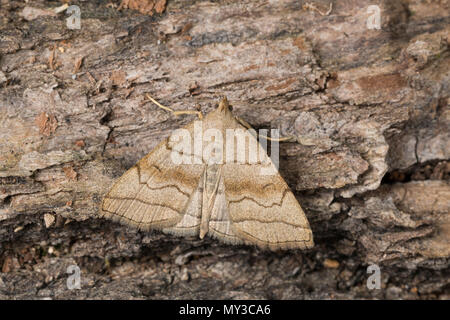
(369, 108)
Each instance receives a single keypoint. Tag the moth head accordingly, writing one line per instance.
(224, 106)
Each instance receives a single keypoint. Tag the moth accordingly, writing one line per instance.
(227, 200)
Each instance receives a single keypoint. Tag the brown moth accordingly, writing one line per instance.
(230, 201)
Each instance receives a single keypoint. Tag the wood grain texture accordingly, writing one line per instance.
(372, 172)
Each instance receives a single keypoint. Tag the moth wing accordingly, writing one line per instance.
(220, 225)
(156, 192)
(261, 207)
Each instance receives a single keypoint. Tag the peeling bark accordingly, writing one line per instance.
(371, 167)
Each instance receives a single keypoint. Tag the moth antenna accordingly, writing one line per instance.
(175, 112)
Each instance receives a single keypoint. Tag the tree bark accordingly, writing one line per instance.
(371, 166)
